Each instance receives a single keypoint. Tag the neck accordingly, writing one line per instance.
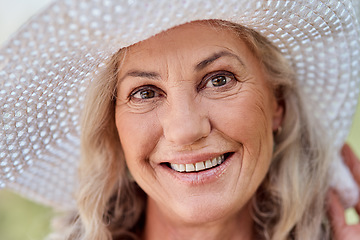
(161, 226)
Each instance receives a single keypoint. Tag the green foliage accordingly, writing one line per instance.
(21, 219)
(354, 141)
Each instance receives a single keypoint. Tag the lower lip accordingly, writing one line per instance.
(201, 177)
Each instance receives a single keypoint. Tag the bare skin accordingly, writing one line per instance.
(176, 91)
(233, 228)
(187, 96)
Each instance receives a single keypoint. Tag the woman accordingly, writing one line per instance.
(203, 131)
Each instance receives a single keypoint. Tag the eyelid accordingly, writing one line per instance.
(137, 89)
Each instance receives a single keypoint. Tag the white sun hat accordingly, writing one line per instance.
(47, 65)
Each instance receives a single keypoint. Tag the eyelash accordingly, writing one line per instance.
(205, 81)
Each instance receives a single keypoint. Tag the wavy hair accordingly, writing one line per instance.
(289, 204)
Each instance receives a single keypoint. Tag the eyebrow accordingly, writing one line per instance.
(142, 74)
(201, 65)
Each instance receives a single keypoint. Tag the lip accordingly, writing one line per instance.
(201, 177)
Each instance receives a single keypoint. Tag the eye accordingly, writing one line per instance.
(219, 79)
(146, 92)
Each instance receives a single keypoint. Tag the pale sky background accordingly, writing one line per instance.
(13, 13)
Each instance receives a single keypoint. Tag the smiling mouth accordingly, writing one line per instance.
(199, 166)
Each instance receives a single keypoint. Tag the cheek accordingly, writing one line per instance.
(247, 119)
(243, 118)
(138, 135)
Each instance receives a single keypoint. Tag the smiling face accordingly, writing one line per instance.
(195, 117)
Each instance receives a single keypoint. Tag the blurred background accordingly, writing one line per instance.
(21, 219)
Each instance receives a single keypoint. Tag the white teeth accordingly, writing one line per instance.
(208, 164)
(199, 165)
(214, 162)
(218, 160)
(190, 167)
(182, 168)
(178, 167)
(175, 166)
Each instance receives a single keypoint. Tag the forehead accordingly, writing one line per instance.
(191, 38)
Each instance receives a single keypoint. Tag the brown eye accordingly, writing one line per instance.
(146, 92)
(218, 81)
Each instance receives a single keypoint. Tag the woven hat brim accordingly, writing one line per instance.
(47, 65)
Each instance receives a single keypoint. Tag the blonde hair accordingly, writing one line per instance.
(289, 204)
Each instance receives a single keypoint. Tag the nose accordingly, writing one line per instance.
(185, 121)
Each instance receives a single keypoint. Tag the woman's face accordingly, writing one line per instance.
(195, 117)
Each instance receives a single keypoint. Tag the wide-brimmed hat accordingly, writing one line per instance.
(46, 66)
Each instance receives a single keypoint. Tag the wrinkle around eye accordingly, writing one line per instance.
(238, 86)
(136, 108)
(141, 106)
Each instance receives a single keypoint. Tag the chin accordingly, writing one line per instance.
(198, 210)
